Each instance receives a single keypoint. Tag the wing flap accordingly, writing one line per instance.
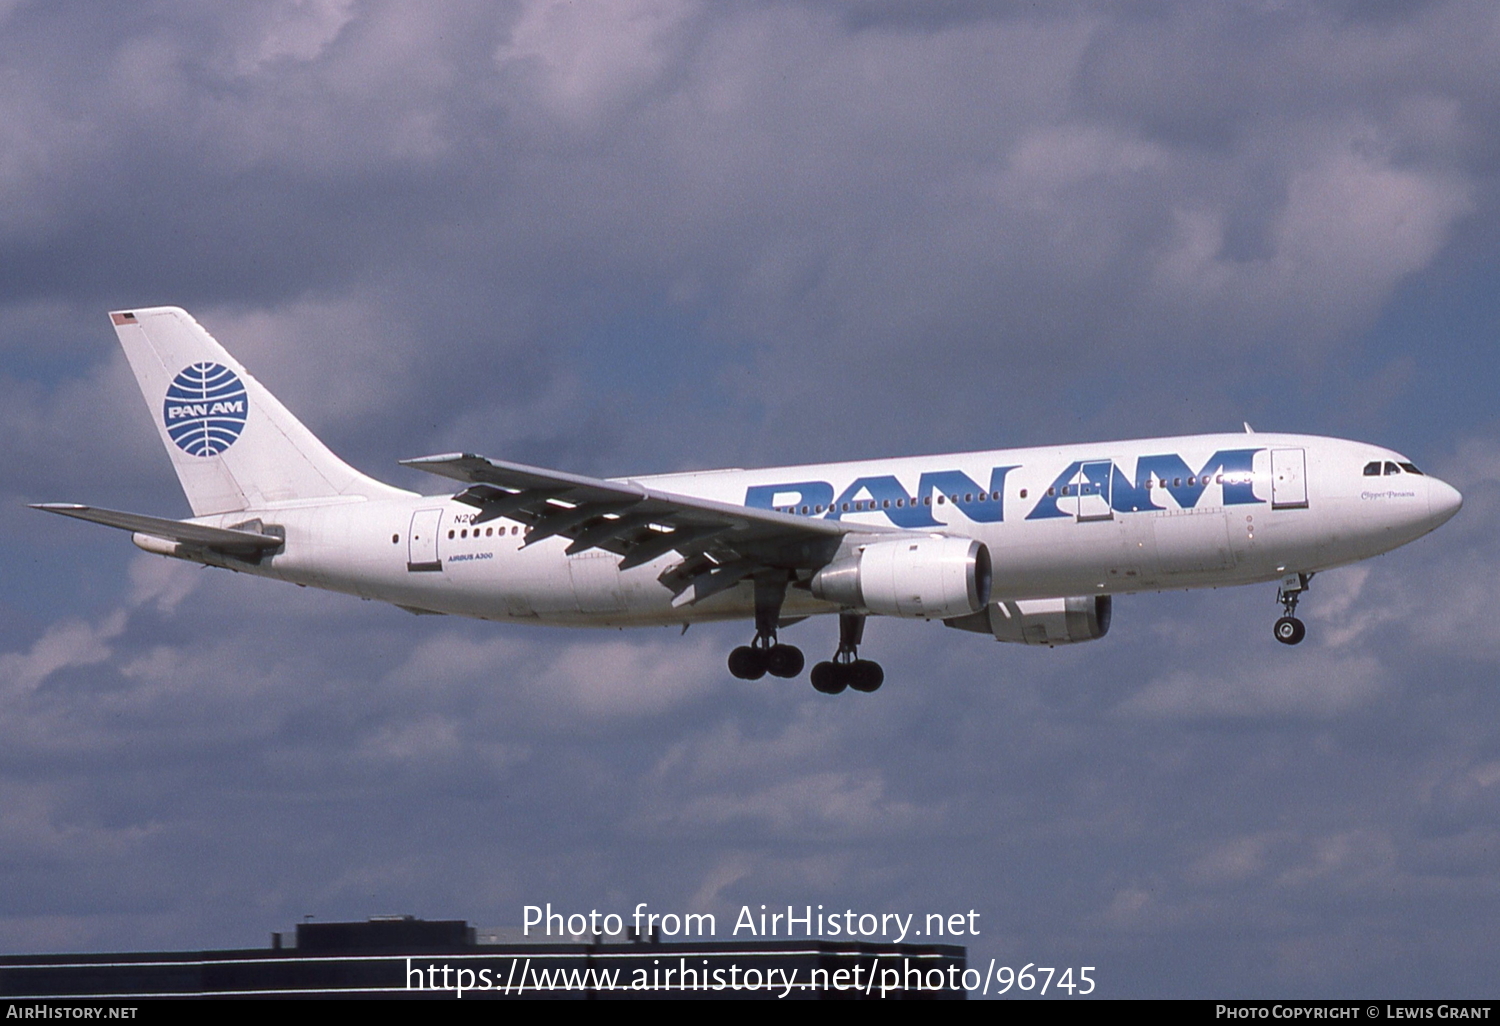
(518, 477)
(639, 522)
(521, 489)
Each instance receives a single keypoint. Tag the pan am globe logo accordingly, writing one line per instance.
(205, 409)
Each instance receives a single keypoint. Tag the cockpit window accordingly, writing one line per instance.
(1391, 468)
(1372, 469)
(1411, 468)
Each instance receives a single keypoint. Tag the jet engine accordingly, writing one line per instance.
(932, 577)
(1054, 621)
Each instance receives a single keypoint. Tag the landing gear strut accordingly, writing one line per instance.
(847, 670)
(1289, 630)
(765, 654)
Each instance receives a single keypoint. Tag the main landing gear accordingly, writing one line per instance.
(847, 670)
(767, 655)
(1289, 630)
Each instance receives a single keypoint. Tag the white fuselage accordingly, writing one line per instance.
(1096, 519)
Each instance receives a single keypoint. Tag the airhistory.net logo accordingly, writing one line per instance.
(205, 409)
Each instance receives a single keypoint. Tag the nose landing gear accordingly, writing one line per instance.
(1289, 630)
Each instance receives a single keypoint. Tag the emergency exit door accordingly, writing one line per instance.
(1090, 498)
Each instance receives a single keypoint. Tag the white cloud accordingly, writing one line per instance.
(831, 804)
(296, 30)
(596, 679)
(843, 230)
(1313, 685)
(591, 60)
(66, 644)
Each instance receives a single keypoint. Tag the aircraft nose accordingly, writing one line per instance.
(1443, 500)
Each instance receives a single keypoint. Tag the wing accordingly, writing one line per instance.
(720, 543)
(230, 540)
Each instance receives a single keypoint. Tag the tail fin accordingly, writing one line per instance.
(234, 447)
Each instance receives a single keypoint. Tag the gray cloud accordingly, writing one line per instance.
(669, 235)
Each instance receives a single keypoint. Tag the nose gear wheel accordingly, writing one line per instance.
(1289, 630)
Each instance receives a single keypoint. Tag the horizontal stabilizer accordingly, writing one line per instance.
(222, 538)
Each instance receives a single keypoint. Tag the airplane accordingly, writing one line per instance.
(1026, 545)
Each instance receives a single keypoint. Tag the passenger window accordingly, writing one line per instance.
(968, 497)
(1372, 469)
(1176, 482)
(395, 539)
(1023, 493)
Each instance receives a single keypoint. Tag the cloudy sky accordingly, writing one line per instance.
(653, 236)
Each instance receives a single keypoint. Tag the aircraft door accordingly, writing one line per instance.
(1288, 479)
(1091, 491)
(422, 541)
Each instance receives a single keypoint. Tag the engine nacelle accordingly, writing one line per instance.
(1058, 621)
(932, 577)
